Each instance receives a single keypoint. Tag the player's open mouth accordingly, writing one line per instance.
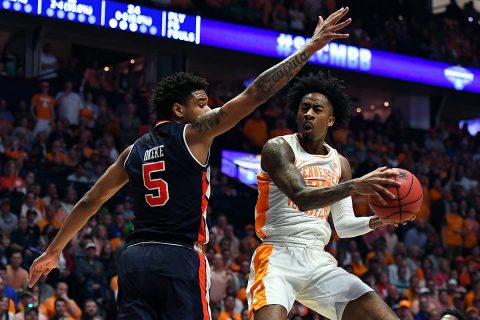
(307, 127)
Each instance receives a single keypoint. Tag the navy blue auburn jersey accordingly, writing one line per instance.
(170, 188)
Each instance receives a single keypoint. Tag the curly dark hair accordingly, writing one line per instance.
(325, 84)
(454, 312)
(176, 88)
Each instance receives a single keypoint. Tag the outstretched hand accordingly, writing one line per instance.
(42, 266)
(326, 30)
(376, 183)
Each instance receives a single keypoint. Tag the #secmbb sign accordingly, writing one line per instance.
(179, 26)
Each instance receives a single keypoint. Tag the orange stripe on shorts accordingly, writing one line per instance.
(202, 277)
(260, 267)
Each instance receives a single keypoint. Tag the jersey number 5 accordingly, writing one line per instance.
(159, 185)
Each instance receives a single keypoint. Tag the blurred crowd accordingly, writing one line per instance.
(407, 27)
(54, 144)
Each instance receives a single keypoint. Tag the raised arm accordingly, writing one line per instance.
(217, 121)
(107, 185)
(278, 160)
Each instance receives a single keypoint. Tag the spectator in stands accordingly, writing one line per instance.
(69, 104)
(48, 63)
(8, 220)
(61, 310)
(16, 275)
(30, 204)
(453, 231)
(11, 182)
(89, 271)
(228, 310)
(25, 236)
(70, 306)
(90, 310)
(42, 109)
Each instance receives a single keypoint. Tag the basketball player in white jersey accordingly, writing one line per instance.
(302, 181)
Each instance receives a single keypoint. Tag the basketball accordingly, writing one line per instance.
(409, 198)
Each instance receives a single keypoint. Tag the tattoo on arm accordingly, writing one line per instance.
(272, 80)
(208, 120)
(279, 162)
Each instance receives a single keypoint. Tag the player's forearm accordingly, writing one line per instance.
(275, 78)
(346, 223)
(310, 198)
(79, 216)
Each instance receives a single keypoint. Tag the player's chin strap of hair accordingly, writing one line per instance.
(346, 223)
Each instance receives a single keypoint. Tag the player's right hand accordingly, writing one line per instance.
(42, 266)
(326, 30)
(376, 182)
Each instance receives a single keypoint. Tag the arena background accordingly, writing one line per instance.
(411, 67)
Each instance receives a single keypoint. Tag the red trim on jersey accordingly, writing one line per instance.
(202, 235)
(161, 121)
(202, 278)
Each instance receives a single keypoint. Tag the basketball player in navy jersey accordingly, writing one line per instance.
(161, 275)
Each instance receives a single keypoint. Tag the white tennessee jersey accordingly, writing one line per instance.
(277, 217)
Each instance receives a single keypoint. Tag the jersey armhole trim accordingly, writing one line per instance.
(128, 155)
(291, 147)
(339, 166)
(190, 151)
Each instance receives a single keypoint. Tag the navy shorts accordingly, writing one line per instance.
(163, 282)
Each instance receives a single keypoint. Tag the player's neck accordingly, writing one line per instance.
(313, 146)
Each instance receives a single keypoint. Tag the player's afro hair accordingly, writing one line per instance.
(330, 87)
(176, 88)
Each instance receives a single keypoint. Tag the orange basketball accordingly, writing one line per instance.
(409, 197)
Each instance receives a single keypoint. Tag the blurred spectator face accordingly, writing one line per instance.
(5, 244)
(90, 252)
(443, 297)
(119, 220)
(245, 314)
(52, 190)
(5, 206)
(16, 260)
(392, 292)
(68, 86)
(352, 246)
(101, 232)
(11, 169)
(356, 258)
(31, 313)
(4, 302)
(221, 221)
(91, 308)
(60, 308)
(472, 314)
(229, 231)
(44, 87)
(245, 267)
(229, 303)
(218, 261)
(22, 223)
(62, 289)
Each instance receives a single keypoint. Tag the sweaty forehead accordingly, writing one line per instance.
(199, 95)
(315, 98)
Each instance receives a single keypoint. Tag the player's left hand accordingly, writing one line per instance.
(376, 222)
(42, 266)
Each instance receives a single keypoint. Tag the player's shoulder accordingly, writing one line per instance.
(277, 148)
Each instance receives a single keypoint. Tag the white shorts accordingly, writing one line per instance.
(281, 274)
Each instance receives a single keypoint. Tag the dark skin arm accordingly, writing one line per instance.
(200, 133)
(278, 160)
(107, 185)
